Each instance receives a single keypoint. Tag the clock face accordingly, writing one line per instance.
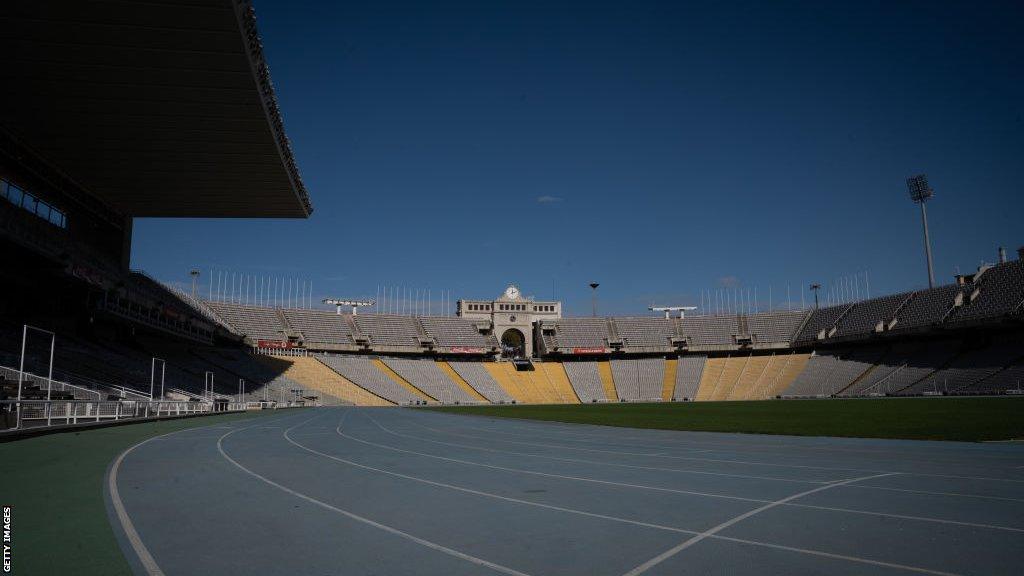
(512, 292)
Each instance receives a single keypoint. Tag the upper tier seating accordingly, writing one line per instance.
(927, 307)
(254, 322)
(580, 332)
(428, 377)
(821, 320)
(709, 330)
(586, 381)
(646, 332)
(452, 331)
(779, 326)
(477, 376)
(386, 330)
(1000, 291)
(868, 315)
(320, 325)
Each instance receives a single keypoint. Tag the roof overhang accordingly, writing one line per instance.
(157, 109)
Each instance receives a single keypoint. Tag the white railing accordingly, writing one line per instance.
(37, 413)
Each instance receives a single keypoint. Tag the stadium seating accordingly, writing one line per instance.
(688, 375)
(668, 382)
(753, 370)
(543, 385)
(709, 330)
(775, 327)
(638, 379)
(604, 369)
(831, 372)
(968, 368)
(320, 326)
(450, 331)
(477, 375)
(386, 330)
(645, 332)
(362, 371)
(927, 307)
(428, 377)
(821, 322)
(871, 316)
(580, 332)
(254, 322)
(1010, 378)
(461, 382)
(1000, 292)
(313, 375)
(585, 380)
(903, 366)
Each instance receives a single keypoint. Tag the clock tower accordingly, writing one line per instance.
(512, 318)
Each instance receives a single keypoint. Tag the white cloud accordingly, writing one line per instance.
(548, 199)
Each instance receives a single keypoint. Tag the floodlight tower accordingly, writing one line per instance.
(814, 288)
(921, 193)
(194, 273)
(593, 298)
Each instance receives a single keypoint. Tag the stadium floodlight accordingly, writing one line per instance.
(815, 288)
(593, 298)
(669, 309)
(194, 273)
(921, 193)
(355, 304)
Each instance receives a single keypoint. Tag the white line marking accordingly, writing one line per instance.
(145, 557)
(598, 462)
(690, 542)
(931, 493)
(616, 518)
(750, 463)
(367, 521)
(691, 492)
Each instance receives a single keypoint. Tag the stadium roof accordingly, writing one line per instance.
(156, 108)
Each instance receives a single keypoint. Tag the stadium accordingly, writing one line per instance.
(237, 423)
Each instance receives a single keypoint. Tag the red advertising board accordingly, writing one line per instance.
(589, 350)
(466, 350)
(278, 344)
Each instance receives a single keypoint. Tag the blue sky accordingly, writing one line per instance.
(658, 148)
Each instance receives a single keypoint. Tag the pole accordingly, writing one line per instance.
(927, 246)
(49, 376)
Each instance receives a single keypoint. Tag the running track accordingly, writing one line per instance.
(360, 491)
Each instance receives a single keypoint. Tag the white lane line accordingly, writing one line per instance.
(683, 444)
(145, 557)
(703, 535)
(367, 521)
(932, 493)
(691, 492)
(660, 455)
(750, 463)
(819, 553)
(601, 463)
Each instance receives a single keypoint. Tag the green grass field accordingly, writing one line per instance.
(965, 419)
(55, 484)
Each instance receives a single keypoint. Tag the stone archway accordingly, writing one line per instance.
(513, 343)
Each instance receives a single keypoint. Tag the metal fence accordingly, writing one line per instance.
(36, 413)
